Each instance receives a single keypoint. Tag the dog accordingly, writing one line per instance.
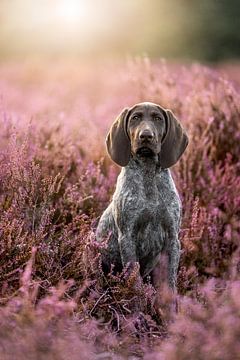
(143, 219)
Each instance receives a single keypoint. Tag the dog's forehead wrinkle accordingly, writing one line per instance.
(137, 112)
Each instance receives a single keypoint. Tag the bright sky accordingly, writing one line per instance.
(59, 23)
(86, 26)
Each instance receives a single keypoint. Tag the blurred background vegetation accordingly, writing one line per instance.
(206, 30)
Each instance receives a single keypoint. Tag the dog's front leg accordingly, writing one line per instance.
(173, 253)
(127, 247)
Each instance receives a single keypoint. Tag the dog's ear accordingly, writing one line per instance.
(118, 142)
(174, 142)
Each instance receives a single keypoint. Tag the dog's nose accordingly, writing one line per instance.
(146, 135)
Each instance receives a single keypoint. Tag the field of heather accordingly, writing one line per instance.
(55, 181)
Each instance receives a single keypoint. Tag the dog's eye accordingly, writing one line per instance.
(158, 118)
(135, 117)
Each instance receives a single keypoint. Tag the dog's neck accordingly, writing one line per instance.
(145, 168)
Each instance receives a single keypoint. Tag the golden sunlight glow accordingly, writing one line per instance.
(71, 12)
(77, 26)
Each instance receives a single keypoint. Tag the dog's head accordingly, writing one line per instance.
(146, 130)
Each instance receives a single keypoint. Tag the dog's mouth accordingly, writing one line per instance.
(145, 151)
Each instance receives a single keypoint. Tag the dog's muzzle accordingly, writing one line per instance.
(146, 143)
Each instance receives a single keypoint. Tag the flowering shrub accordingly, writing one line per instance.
(55, 181)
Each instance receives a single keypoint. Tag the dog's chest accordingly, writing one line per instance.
(142, 205)
(140, 188)
(140, 194)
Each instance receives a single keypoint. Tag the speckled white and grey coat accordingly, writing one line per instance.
(143, 219)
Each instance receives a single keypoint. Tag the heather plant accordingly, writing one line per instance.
(55, 181)
(205, 329)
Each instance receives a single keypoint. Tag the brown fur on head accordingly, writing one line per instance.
(146, 129)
